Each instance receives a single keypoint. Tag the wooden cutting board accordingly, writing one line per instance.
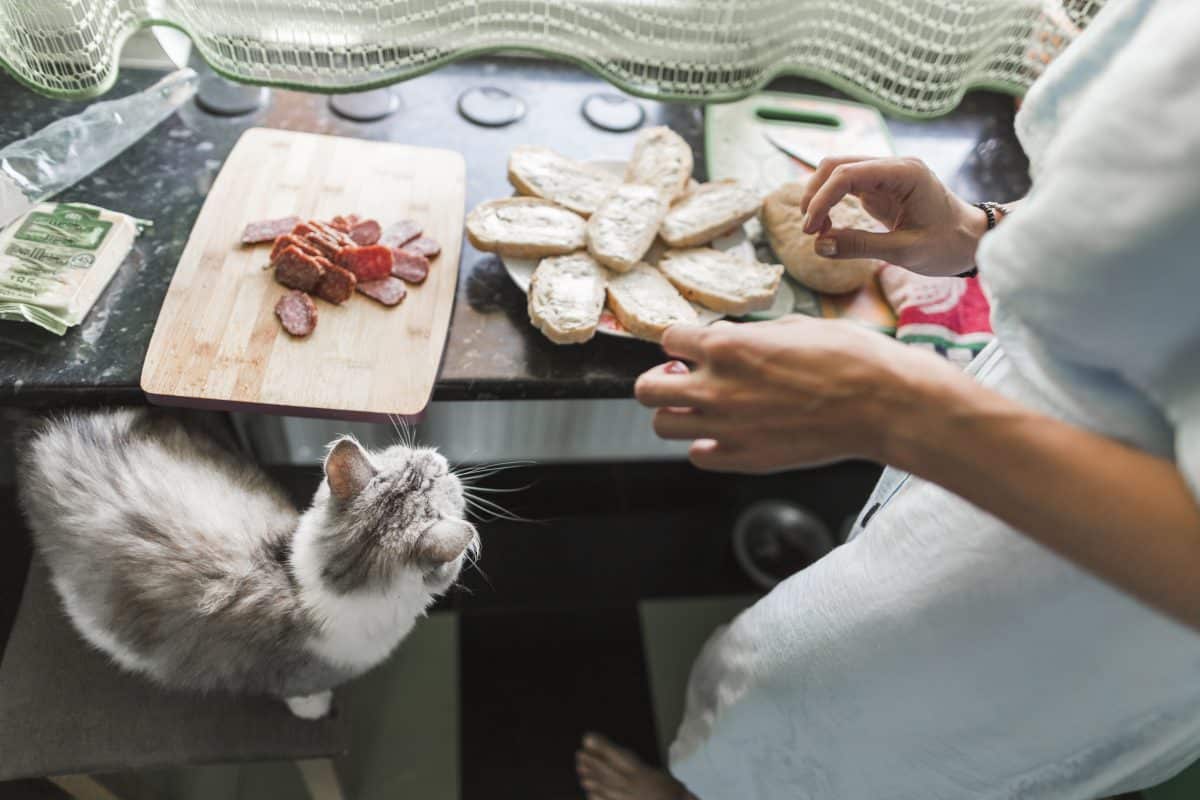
(217, 343)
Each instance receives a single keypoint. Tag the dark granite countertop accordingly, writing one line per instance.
(492, 351)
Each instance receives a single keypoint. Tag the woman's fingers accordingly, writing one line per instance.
(662, 386)
(895, 247)
(874, 175)
(819, 177)
(712, 455)
(684, 341)
(687, 423)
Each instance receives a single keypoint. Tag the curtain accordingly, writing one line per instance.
(911, 57)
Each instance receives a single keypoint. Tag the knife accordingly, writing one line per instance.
(808, 158)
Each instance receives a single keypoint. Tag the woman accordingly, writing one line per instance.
(1016, 612)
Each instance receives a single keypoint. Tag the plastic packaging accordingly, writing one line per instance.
(69, 149)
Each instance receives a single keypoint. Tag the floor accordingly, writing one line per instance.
(588, 617)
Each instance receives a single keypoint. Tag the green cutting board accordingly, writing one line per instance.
(736, 145)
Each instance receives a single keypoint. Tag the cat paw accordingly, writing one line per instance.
(310, 706)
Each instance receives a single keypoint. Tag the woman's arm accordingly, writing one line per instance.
(800, 391)
(1118, 512)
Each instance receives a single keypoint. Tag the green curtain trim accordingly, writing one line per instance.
(852, 89)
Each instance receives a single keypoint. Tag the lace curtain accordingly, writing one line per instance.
(913, 57)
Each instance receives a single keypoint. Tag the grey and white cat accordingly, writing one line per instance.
(186, 564)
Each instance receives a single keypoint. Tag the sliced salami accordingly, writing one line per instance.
(317, 239)
(370, 263)
(297, 313)
(424, 245)
(400, 233)
(336, 285)
(332, 232)
(388, 291)
(297, 270)
(366, 232)
(411, 267)
(268, 230)
(344, 223)
(292, 240)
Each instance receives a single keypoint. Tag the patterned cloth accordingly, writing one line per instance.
(947, 315)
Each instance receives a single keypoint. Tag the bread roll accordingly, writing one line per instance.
(525, 227)
(784, 223)
(624, 227)
(662, 159)
(708, 211)
(566, 296)
(722, 281)
(646, 303)
(541, 172)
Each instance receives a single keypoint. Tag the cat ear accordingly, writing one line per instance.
(348, 470)
(442, 542)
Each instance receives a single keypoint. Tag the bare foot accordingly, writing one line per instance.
(608, 772)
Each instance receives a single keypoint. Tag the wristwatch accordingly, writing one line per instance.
(995, 212)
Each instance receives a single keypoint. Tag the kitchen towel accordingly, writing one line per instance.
(948, 315)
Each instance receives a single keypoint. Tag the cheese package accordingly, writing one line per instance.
(57, 258)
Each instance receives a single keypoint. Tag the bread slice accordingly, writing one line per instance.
(646, 303)
(722, 281)
(624, 227)
(541, 172)
(705, 213)
(525, 227)
(566, 296)
(662, 159)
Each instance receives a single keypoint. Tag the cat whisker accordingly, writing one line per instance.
(483, 501)
(481, 513)
(405, 431)
(494, 465)
(475, 565)
(482, 505)
(409, 433)
(481, 473)
(499, 490)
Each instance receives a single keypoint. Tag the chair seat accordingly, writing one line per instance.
(65, 708)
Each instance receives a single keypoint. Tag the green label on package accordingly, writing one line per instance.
(55, 261)
(78, 227)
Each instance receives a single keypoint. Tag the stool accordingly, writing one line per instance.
(67, 713)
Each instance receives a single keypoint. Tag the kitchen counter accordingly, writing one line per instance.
(492, 351)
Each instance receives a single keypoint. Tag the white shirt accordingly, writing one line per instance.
(1095, 277)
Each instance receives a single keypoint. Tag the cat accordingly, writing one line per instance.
(185, 563)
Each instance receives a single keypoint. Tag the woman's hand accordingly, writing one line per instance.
(784, 394)
(802, 391)
(930, 230)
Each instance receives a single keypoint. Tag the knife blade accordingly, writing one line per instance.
(809, 158)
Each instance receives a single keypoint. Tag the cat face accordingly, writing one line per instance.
(389, 514)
